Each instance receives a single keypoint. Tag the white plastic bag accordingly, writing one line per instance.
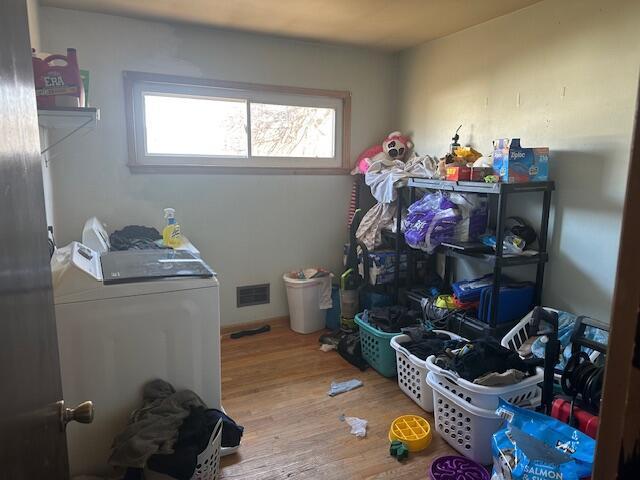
(358, 426)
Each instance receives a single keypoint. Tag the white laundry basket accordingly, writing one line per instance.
(208, 462)
(515, 337)
(464, 426)
(525, 393)
(518, 334)
(303, 296)
(412, 371)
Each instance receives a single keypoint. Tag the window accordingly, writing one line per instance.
(235, 127)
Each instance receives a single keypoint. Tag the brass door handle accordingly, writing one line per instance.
(82, 413)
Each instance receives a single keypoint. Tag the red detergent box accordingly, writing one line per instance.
(516, 164)
(57, 80)
(458, 172)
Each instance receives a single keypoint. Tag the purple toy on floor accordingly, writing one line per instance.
(457, 468)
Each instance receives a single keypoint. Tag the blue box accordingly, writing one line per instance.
(515, 164)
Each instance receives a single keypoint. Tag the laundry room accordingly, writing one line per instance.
(316, 239)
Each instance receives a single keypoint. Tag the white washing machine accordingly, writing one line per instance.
(125, 318)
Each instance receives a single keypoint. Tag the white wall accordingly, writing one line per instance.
(249, 228)
(574, 66)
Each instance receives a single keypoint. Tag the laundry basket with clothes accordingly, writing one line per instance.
(168, 432)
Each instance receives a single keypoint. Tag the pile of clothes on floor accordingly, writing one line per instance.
(485, 362)
(168, 432)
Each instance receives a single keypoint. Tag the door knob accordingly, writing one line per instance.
(82, 413)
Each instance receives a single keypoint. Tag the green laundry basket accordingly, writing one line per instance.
(376, 348)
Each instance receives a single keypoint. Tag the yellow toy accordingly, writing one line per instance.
(412, 430)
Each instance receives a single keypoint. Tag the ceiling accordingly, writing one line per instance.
(385, 24)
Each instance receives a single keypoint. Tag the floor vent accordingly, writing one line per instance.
(252, 295)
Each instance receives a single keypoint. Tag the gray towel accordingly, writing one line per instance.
(154, 427)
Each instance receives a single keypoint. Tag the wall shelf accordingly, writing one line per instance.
(74, 119)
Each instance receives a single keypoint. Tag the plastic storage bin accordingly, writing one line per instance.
(303, 296)
(464, 426)
(208, 463)
(524, 393)
(376, 348)
(412, 371)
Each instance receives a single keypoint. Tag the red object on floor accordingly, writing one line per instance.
(585, 421)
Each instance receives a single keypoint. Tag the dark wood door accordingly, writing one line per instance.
(32, 445)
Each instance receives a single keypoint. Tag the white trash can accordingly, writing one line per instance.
(303, 296)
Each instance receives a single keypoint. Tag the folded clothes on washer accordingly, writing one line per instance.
(484, 356)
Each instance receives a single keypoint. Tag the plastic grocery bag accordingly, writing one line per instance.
(443, 216)
(358, 425)
(534, 446)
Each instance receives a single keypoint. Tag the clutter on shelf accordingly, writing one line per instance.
(441, 216)
(468, 383)
(382, 216)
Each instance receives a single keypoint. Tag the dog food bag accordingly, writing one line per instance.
(534, 446)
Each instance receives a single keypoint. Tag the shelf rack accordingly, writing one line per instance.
(73, 118)
(496, 261)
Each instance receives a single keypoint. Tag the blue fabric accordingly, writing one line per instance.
(566, 322)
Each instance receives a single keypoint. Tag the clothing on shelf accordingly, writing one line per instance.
(379, 217)
(135, 237)
(424, 166)
(385, 176)
(483, 356)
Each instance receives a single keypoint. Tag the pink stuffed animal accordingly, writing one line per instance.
(394, 147)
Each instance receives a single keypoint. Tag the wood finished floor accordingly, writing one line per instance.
(275, 385)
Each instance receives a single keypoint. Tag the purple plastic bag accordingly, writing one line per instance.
(438, 217)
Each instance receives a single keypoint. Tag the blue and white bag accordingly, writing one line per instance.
(534, 446)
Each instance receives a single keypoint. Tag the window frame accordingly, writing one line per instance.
(141, 162)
